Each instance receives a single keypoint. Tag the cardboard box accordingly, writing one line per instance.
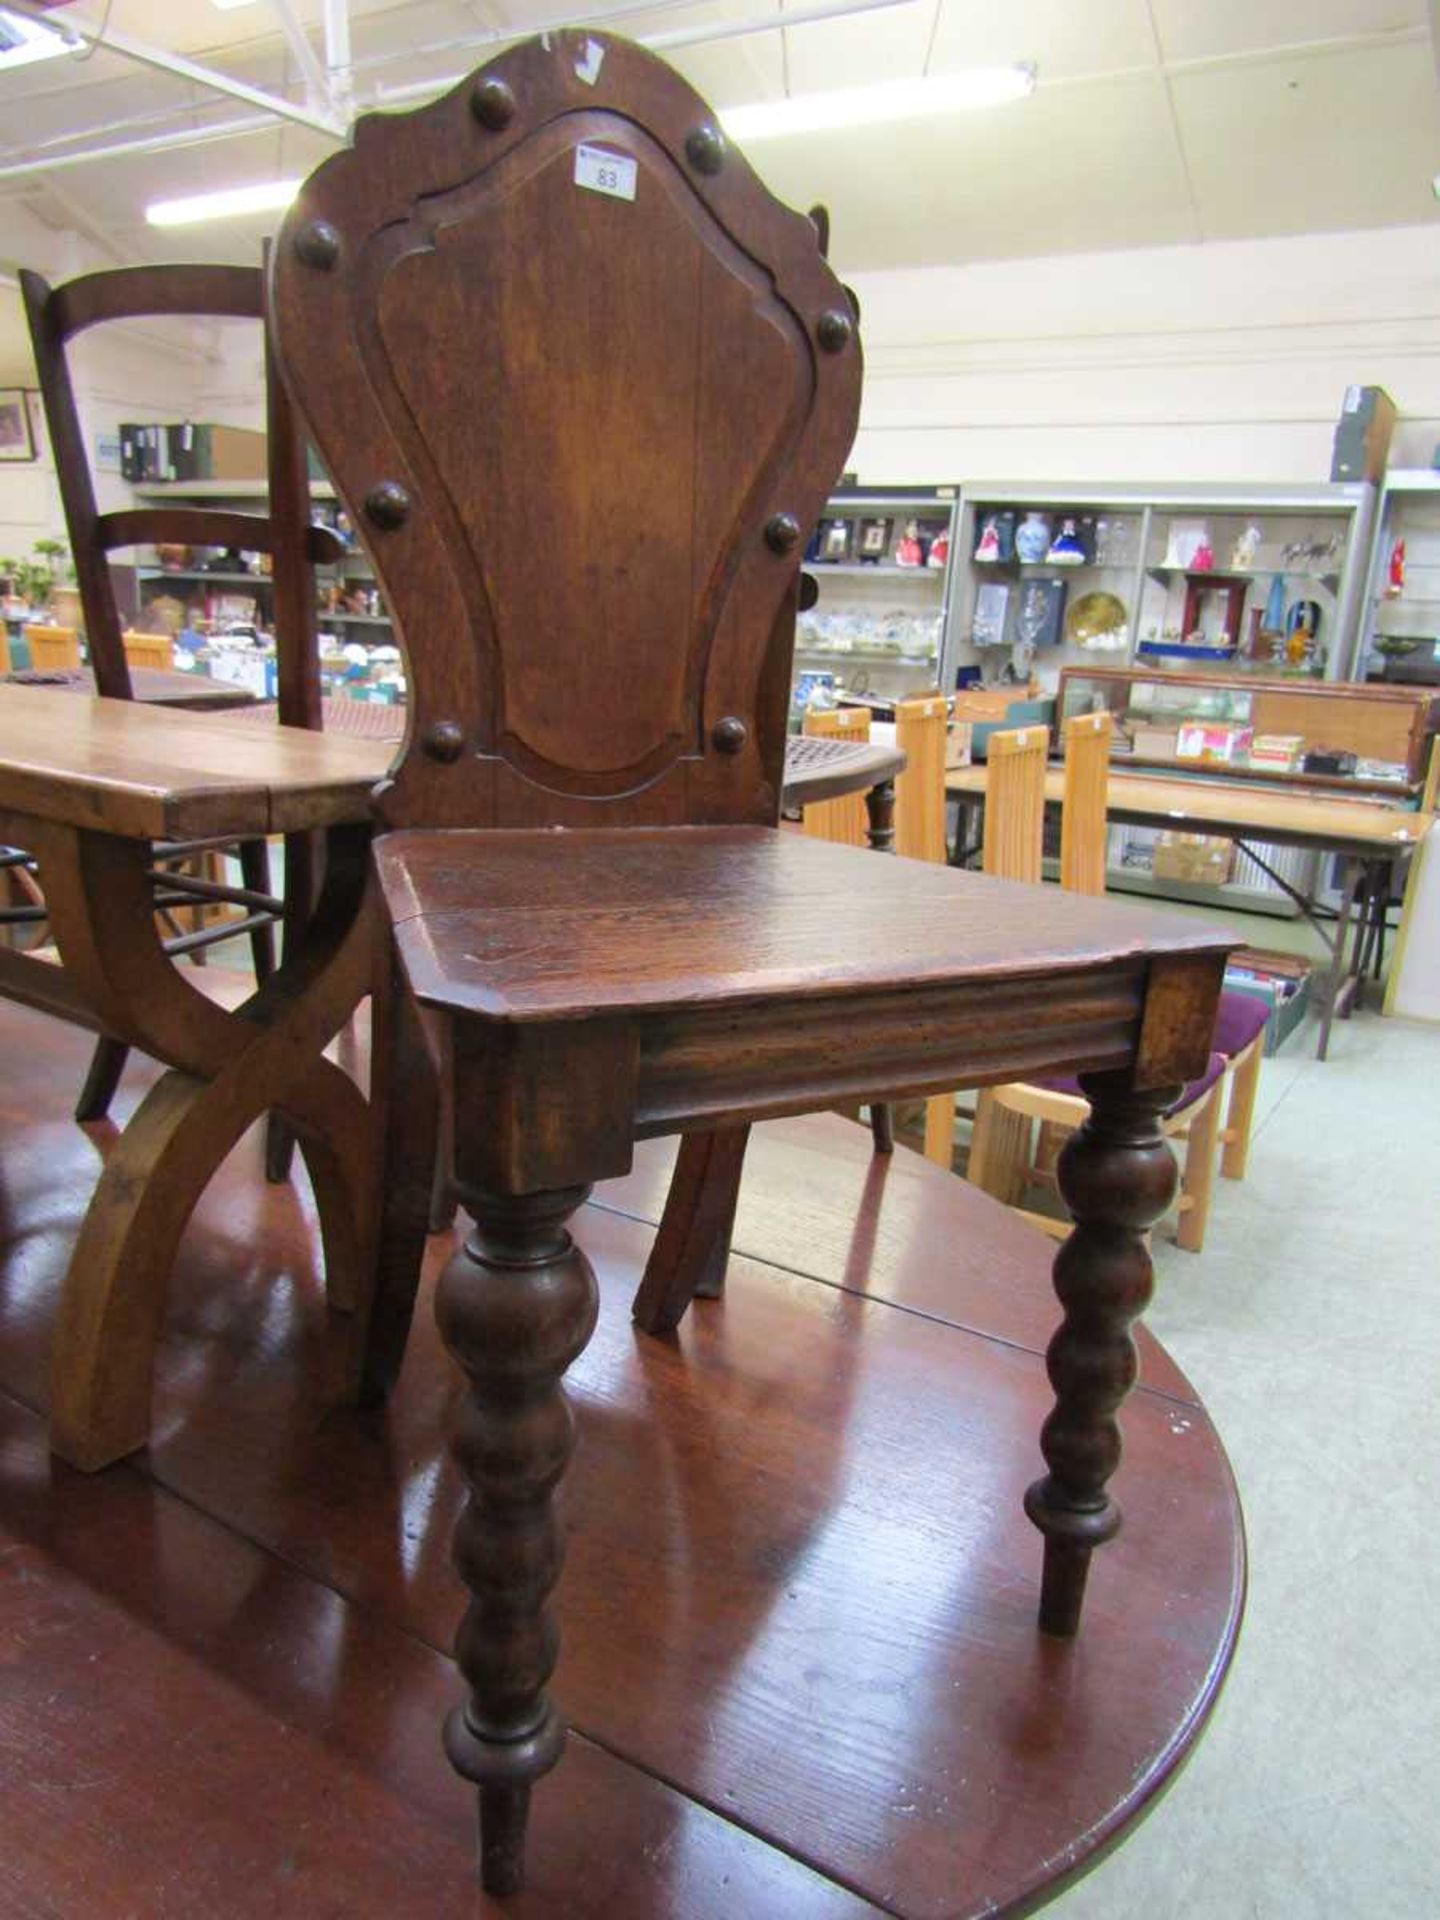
(957, 743)
(235, 453)
(1154, 743)
(1213, 746)
(1362, 434)
(1196, 857)
(1277, 750)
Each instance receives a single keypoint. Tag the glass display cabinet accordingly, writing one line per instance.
(1264, 580)
(1335, 735)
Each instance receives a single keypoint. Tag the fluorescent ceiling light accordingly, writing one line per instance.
(229, 6)
(23, 41)
(887, 100)
(264, 197)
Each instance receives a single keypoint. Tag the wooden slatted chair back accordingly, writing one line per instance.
(845, 819)
(1084, 832)
(155, 650)
(1015, 803)
(56, 315)
(920, 733)
(584, 384)
(53, 649)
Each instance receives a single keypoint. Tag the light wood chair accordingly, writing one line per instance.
(1012, 849)
(920, 733)
(844, 820)
(53, 649)
(1003, 1158)
(155, 650)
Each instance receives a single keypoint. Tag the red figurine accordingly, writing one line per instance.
(1397, 571)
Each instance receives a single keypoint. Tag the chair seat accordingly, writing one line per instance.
(1241, 1019)
(520, 925)
(1195, 1090)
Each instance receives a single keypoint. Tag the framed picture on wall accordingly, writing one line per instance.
(17, 439)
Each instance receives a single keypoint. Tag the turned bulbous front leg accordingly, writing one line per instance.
(515, 1307)
(1117, 1175)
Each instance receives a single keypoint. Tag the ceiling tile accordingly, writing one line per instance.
(1103, 36)
(1089, 168)
(1189, 31)
(1323, 142)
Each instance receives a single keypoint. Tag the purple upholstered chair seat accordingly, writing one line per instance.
(1068, 1083)
(1241, 1019)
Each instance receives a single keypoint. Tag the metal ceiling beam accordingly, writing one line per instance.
(336, 18)
(147, 143)
(317, 81)
(175, 64)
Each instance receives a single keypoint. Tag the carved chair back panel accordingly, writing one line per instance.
(583, 433)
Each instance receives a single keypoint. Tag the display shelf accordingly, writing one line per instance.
(1138, 538)
(857, 570)
(354, 619)
(1177, 650)
(203, 573)
(858, 598)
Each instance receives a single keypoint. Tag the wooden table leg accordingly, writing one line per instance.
(1117, 1176)
(880, 816)
(515, 1307)
(692, 1242)
(1335, 986)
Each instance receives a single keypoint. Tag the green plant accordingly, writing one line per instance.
(33, 581)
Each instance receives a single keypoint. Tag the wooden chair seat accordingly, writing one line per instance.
(528, 927)
(1068, 1083)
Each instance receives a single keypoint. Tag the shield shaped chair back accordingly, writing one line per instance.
(584, 385)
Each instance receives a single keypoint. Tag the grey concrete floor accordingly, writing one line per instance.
(1311, 1326)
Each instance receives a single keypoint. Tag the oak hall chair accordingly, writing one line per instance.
(584, 411)
(56, 316)
(1009, 1118)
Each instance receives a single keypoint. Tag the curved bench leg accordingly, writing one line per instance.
(113, 1301)
(107, 1063)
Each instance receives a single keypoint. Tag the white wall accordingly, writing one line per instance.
(1222, 362)
(1194, 363)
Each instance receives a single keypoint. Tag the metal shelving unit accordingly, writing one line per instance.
(1139, 577)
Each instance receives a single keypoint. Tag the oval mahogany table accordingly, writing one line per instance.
(801, 1660)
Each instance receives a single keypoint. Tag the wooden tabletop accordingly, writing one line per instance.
(542, 925)
(151, 773)
(1213, 805)
(151, 686)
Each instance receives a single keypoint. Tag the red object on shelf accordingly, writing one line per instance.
(1396, 584)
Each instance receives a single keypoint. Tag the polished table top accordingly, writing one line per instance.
(152, 773)
(1206, 804)
(151, 686)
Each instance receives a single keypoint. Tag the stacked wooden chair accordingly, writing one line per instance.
(1013, 1141)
